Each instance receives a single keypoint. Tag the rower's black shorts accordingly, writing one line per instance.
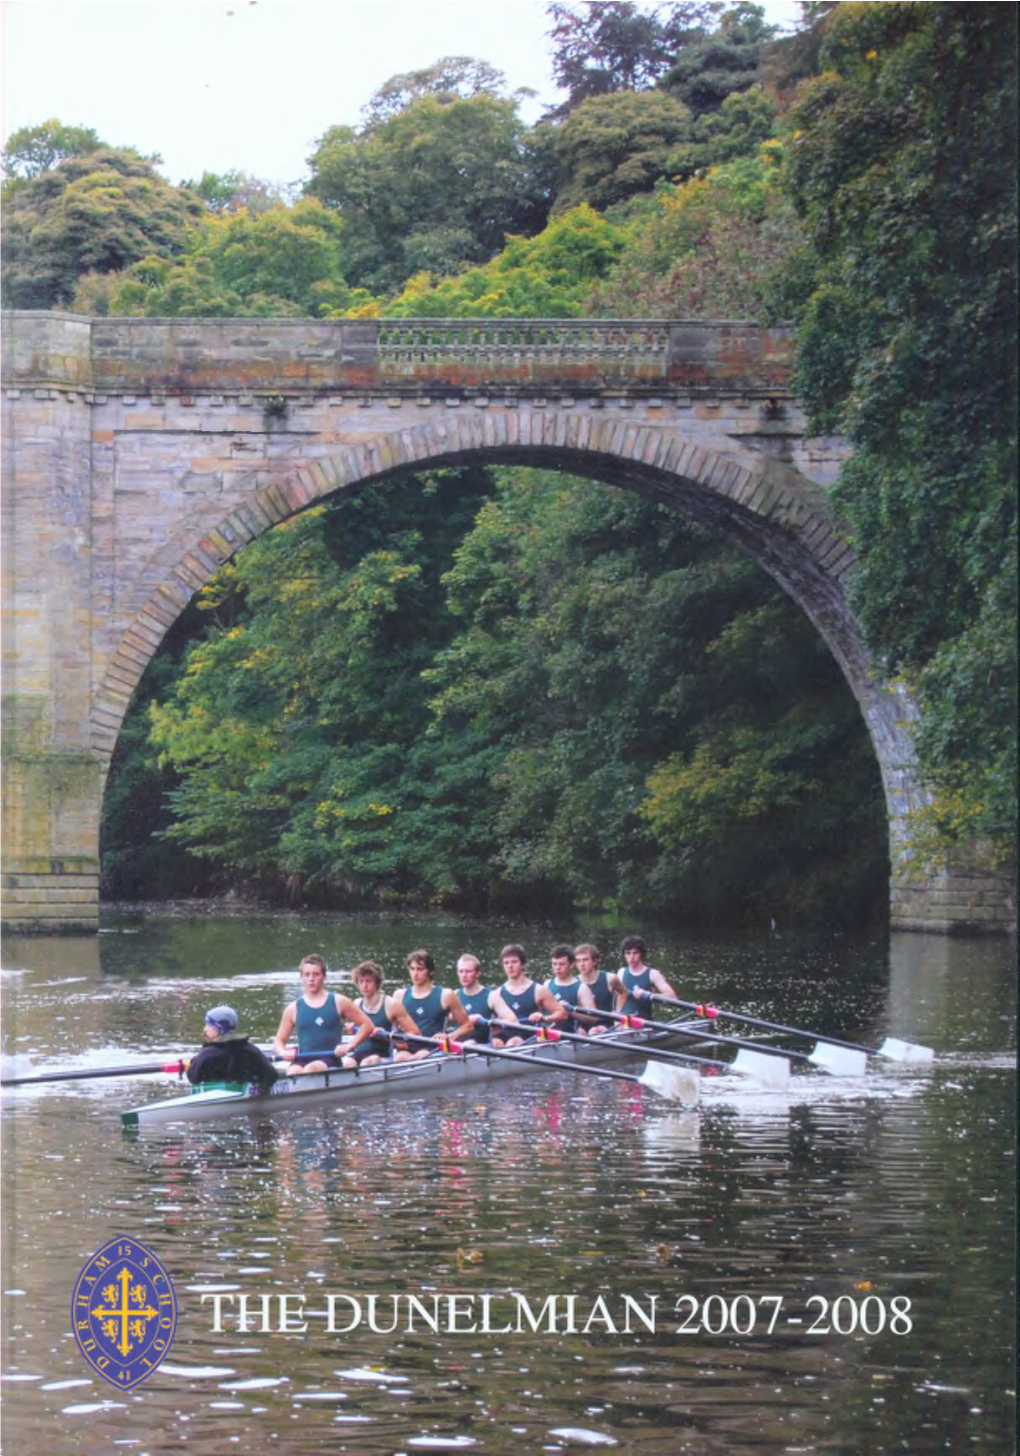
(303, 1058)
(371, 1048)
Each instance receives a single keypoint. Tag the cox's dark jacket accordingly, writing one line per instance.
(232, 1058)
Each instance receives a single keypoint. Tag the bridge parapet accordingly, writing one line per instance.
(590, 354)
(524, 357)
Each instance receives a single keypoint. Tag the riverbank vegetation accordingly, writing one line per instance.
(500, 687)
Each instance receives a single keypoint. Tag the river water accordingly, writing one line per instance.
(828, 1269)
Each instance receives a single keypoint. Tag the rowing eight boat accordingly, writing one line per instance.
(438, 1073)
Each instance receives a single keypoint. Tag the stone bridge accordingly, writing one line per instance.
(141, 454)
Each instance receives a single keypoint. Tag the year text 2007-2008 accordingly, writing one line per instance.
(768, 1314)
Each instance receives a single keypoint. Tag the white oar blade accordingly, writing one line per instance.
(905, 1051)
(18, 1065)
(676, 1084)
(770, 1071)
(839, 1061)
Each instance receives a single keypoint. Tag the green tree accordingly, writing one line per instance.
(551, 695)
(287, 261)
(718, 246)
(548, 276)
(613, 147)
(452, 78)
(238, 191)
(745, 120)
(903, 168)
(34, 149)
(93, 214)
(611, 143)
(293, 727)
(773, 802)
(602, 46)
(432, 187)
(606, 643)
(721, 63)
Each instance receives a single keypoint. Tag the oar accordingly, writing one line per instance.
(772, 1070)
(843, 1063)
(839, 1062)
(892, 1048)
(179, 1067)
(669, 1082)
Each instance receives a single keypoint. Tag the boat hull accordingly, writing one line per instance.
(437, 1073)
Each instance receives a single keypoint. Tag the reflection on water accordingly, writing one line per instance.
(827, 1270)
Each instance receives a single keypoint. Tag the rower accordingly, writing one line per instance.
(384, 1012)
(479, 1003)
(567, 986)
(602, 985)
(636, 976)
(528, 1002)
(430, 1005)
(319, 1017)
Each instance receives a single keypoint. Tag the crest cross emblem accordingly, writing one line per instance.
(124, 1312)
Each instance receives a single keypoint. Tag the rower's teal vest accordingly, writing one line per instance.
(599, 988)
(568, 994)
(641, 982)
(426, 1011)
(380, 1019)
(522, 1004)
(477, 1004)
(319, 1028)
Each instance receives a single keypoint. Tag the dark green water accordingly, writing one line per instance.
(825, 1270)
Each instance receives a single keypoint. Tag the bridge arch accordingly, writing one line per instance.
(778, 517)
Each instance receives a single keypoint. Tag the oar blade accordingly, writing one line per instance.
(905, 1051)
(839, 1061)
(770, 1071)
(676, 1084)
(15, 1069)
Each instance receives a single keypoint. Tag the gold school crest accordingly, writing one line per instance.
(124, 1312)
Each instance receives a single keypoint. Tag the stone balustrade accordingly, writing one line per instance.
(294, 356)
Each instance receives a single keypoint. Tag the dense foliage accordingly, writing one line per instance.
(431, 186)
(598, 49)
(509, 716)
(548, 276)
(903, 168)
(719, 246)
(718, 65)
(235, 263)
(488, 688)
(34, 149)
(95, 213)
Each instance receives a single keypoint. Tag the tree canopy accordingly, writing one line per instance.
(716, 65)
(236, 190)
(602, 46)
(551, 275)
(718, 246)
(903, 168)
(34, 149)
(437, 184)
(449, 79)
(285, 261)
(613, 147)
(97, 213)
